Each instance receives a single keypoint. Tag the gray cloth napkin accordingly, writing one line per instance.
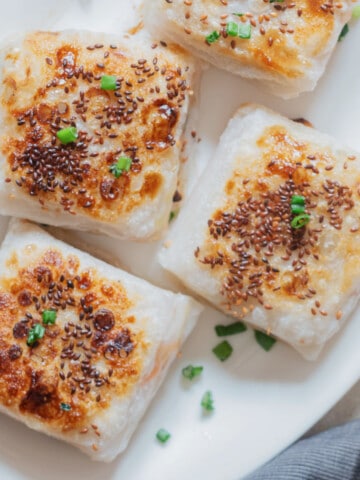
(330, 455)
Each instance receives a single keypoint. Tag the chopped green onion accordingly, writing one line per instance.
(343, 32)
(244, 30)
(108, 82)
(264, 340)
(232, 329)
(49, 316)
(190, 372)
(172, 216)
(300, 221)
(212, 37)
(65, 406)
(232, 29)
(297, 200)
(223, 350)
(207, 401)
(35, 333)
(297, 209)
(163, 435)
(122, 165)
(67, 135)
(276, 1)
(238, 14)
(356, 12)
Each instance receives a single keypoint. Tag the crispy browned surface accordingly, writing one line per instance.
(90, 355)
(250, 244)
(58, 85)
(281, 42)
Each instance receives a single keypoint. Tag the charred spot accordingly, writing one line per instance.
(151, 185)
(305, 122)
(98, 339)
(15, 352)
(41, 398)
(84, 282)
(43, 275)
(66, 59)
(86, 202)
(177, 197)
(109, 189)
(44, 113)
(24, 298)
(104, 320)
(20, 330)
(162, 116)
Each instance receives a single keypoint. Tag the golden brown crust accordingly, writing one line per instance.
(60, 86)
(284, 36)
(251, 244)
(89, 355)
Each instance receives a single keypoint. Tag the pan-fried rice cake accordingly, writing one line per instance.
(284, 44)
(84, 346)
(271, 233)
(91, 130)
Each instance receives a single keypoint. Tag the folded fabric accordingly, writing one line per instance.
(330, 455)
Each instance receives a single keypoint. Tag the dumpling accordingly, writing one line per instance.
(92, 130)
(271, 233)
(284, 44)
(84, 346)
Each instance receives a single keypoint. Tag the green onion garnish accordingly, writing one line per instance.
(300, 221)
(232, 29)
(108, 82)
(232, 329)
(244, 30)
(356, 12)
(212, 37)
(297, 209)
(49, 316)
(264, 340)
(35, 333)
(122, 165)
(172, 216)
(67, 135)
(163, 435)
(223, 350)
(343, 32)
(297, 200)
(276, 1)
(207, 401)
(65, 406)
(238, 14)
(190, 372)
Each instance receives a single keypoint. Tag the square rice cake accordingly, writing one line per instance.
(84, 346)
(271, 233)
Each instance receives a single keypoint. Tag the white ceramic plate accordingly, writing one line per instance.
(264, 401)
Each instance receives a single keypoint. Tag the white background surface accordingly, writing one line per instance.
(264, 401)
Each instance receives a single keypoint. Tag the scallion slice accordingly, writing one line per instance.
(66, 407)
(35, 333)
(298, 200)
(67, 135)
(343, 32)
(223, 351)
(356, 12)
(300, 221)
(232, 329)
(49, 317)
(297, 209)
(108, 82)
(122, 165)
(190, 372)
(232, 29)
(212, 37)
(265, 341)
(207, 401)
(163, 435)
(244, 30)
